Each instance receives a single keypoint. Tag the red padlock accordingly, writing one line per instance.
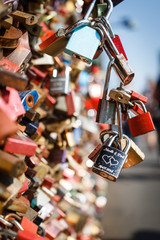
(142, 123)
(70, 103)
(118, 44)
(20, 145)
(25, 235)
(13, 101)
(8, 65)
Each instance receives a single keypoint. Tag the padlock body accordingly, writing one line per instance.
(59, 86)
(141, 124)
(83, 43)
(123, 69)
(106, 112)
(109, 162)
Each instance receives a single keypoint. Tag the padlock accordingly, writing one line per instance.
(8, 65)
(115, 39)
(13, 101)
(20, 145)
(110, 160)
(9, 38)
(11, 164)
(55, 44)
(32, 115)
(24, 17)
(28, 98)
(14, 80)
(135, 154)
(12, 5)
(142, 123)
(119, 96)
(84, 40)
(7, 126)
(95, 153)
(106, 112)
(3, 10)
(20, 56)
(102, 9)
(70, 103)
(35, 73)
(30, 126)
(120, 65)
(57, 155)
(59, 84)
(136, 96)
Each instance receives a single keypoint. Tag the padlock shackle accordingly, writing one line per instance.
(108, 73)
(89, 10)
(141, 104)
(119, 117)
(108, 39)
(110, 6)
(71, 28)
(105, 132)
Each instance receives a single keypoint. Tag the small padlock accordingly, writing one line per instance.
(24, 17)
(28, 98)
(136, 96)
(142, 123)
(119, 96)
(106, 112)
(59, 84)
(70, 103)
(110, 160)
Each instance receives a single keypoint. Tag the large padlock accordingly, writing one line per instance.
(85, 40)
(106, 112)
(142, 123)
(60, 84)
(55, 44)
(111, 160)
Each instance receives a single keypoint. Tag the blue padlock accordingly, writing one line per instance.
(83, 43)
(28, 98)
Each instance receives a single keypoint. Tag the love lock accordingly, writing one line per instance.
(141, 123)
(111, 160)
(85, 40)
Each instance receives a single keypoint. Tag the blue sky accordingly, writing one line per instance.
(141, 44)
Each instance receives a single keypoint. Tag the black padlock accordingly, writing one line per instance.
(111, 160)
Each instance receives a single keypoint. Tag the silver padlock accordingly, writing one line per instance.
(60, 84)
(106, 112)
(120, 65)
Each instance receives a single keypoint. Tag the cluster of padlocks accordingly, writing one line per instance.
(46, 190)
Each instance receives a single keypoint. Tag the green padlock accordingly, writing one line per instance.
(102, 9)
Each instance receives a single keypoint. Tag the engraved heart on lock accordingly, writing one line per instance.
(110, 160)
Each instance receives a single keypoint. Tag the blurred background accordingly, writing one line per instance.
(133, 206)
